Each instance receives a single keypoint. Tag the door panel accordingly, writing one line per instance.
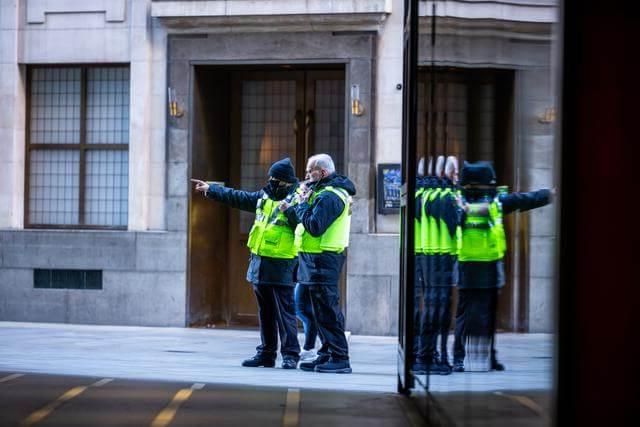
(325, 101)
(265, 106)
(243, 122)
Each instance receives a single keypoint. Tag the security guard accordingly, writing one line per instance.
(418, 368)
(324, 216)
(436, 284)
(445, 258)
(273, 260)
(481, 250)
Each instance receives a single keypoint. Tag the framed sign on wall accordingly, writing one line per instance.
(388, 188)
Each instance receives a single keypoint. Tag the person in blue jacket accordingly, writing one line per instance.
(324, 214)
(271, 276)
(304, 312)
(480, 258)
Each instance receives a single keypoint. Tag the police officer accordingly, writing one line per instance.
(324, 214)
(273, 259)
(480, 259)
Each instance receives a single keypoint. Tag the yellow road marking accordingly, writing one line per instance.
(166, 415)
(528, 403)
(46, 410)
(291, 416)
(10, 377)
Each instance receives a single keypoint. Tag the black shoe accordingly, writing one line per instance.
(436, 368)
(260, 360)
(289, 362)
(458, 366)
(311, 366)
(334, 366)
(497, 366)
(444, 368)
(419, 368)
(444, 360)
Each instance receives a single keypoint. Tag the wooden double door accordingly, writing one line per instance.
(272, 114)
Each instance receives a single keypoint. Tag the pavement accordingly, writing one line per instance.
(214, 356)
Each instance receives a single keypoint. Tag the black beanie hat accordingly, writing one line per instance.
(283, 170)
(480, 173)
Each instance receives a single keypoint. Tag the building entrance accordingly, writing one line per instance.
(469, 115)
(244, 120)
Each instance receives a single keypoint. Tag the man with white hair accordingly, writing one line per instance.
(324, 217)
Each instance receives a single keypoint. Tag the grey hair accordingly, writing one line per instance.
(439, 166)
(451, 167)
(323, 161)
(421, 167)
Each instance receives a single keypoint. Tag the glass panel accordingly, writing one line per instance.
(54, 187)
(329, 121)
(55, 106)
(108, 105)
(486, 76)
(268, 112)
(107, 187)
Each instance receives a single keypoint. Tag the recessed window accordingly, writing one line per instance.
(67, 279)
(78, 147)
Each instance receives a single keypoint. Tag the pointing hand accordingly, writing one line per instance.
(201, 186)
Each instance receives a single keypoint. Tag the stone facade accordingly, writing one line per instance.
(145, 277)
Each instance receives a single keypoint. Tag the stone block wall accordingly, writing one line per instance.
(144, 279)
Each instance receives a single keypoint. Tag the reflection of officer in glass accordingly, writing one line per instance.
(324, 213)
(273, 259)
(481, 271)
(436, 246)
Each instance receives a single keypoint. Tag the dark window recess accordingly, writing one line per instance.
(67, 279)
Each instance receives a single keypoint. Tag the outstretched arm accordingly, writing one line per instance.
(525, 201)
(238, 199)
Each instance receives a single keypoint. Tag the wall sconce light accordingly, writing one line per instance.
(356, 107)
(174, 110)
(548, 116)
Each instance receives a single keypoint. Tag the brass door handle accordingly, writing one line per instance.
(296, 118)
(309, 119)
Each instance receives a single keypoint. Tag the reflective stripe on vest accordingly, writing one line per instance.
(430, 226)
(483, 237)
(448, 243)
(418, 222)
(336, 237)
(271, 235)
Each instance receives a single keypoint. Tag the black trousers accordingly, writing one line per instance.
(475, 321)
(325, 300)
(432, 318)
(277, 314)
(432, 307)
(439, 314)
(419, 318)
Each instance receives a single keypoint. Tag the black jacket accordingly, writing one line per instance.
(323, 268)
(262, 270)
(478, 274)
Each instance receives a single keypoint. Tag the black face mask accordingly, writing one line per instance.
(277, 191)
(477, 193)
